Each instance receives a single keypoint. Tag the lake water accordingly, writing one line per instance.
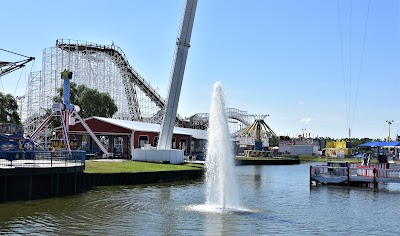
(276, 200)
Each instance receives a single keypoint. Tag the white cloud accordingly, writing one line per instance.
(300, 102)
(306, 120)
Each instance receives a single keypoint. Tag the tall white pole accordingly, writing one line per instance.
(182, 47)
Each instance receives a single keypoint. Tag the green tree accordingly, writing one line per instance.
(91, 101)
(357, 141)
(274, 141)
(9, 109)
(94, 103)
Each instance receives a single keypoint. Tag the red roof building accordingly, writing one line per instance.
(121, 136)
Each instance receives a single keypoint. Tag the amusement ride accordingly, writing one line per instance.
(106, 69)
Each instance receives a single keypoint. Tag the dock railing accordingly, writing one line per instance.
(41, 159)
(329, 171)
(356, 172)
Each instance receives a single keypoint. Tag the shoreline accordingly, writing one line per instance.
(36, 183)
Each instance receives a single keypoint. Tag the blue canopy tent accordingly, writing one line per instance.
(382, 155)
(380, 144)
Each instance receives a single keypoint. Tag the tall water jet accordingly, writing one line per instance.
(221, 189)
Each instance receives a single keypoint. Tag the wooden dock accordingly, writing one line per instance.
(354, 174)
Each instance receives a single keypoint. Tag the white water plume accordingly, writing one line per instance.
(221, 184)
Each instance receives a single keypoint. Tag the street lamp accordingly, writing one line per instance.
(389, 122)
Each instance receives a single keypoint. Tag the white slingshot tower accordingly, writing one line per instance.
(164, 152)
(181, 52)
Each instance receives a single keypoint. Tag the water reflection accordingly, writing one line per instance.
(257, 177)
(220, 224)
(276, 200)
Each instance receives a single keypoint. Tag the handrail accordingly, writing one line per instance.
(41, 159)
(359, 171)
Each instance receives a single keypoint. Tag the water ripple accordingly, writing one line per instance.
(274, 203)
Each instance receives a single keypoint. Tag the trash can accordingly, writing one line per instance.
(382, 158)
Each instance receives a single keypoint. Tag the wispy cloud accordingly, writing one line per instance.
(306, 120)
(300, 102)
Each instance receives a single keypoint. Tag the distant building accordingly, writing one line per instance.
(120, 137)
(339, 148)
(300, 146)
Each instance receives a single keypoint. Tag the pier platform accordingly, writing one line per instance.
(41, 174)
(354, 174)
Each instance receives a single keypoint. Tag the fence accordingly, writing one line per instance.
(357, 173)
(41, 159)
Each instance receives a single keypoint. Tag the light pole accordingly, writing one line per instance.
(389, 122)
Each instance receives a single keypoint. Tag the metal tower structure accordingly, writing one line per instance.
(256, 128)
(181, 51)
(67, 112)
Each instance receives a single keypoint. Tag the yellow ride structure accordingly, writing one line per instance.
(256, 128)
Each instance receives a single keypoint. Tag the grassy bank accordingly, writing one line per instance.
(133, 166)
(93, 166)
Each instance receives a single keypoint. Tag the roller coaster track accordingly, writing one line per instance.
(200, 120)
(129, 75)
(238, 115)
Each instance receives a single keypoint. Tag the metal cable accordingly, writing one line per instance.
(343, 74)
(362, 58)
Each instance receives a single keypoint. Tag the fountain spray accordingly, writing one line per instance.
(221, 189)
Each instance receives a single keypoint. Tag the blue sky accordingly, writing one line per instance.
(323, 66)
